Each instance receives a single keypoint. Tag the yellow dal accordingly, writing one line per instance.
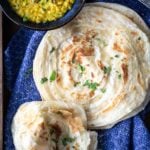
(41, 10)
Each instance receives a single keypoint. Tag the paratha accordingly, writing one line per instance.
(42, 125)
(100, 60)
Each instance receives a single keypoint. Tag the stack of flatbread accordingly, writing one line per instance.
(91, 74)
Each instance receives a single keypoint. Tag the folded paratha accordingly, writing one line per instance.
(50, 126)
(100, 60)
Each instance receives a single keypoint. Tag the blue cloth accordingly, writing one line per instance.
(18, 59)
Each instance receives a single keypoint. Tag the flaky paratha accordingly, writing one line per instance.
(50, 126)
(100, 60)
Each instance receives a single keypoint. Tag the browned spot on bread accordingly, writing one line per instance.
(57, 129)
(99, 21)
(70, 76)
(70, 117)
(76, 39)
(58, 78)
(125, 72)
(68, 147)
(115, 102)
(90, 34)
(78, 57)
(100, 64)
(134, 33)
(92, 74)
(69, 73)
(73, 57)
(75, 123)
(80, 96)
(85, 51)
(60, 81)
(79, 52)
(133, 88)
(68, 48)
(92, 94)
(84, 42)
(84, 38)
(131, 18)
(118, 48)
(76, 146)
(140, 80)
(42, 125)
(116, 33)
(41, 133)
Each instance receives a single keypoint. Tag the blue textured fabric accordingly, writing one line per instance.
(126, 135)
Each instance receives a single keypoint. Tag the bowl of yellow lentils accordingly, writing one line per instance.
(41, 14)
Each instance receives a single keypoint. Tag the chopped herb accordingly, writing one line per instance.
(25, 19)
(76, 84)
(67, 140)
(119, 76)
(52, 50)
(81, 68)
(91, 85)
(111, 58)
(43, 80)
(139, 38)
(102, 42)
(107, 70)
(53, 76)
(116, 56)
(103, 90)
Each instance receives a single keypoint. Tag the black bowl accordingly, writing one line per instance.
(77, 6)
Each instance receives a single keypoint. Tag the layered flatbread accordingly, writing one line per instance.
(100, 60)
(41, 125)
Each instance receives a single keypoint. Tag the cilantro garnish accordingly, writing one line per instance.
(102, 42)
(103, 90)
(119, 76)
(117, 56)
(81, 68)
(139, 38)
(107, 70)
(52, 50)
(43, 80)
(53, 76)
(91, 85)
(67, 140)
(76, 84)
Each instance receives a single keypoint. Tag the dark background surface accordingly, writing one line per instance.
(9, 29)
